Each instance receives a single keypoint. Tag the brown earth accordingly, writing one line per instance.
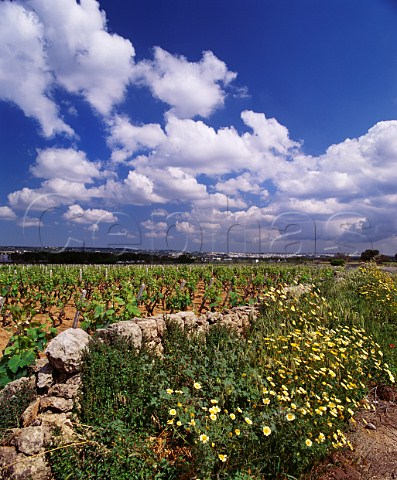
(374, 440)
(4, 337)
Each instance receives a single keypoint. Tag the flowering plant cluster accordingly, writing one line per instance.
(377, 300)
(310, 376)
(265, 404)
(380, 289)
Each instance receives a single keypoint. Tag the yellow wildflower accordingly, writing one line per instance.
(214, 410)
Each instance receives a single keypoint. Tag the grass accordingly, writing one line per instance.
(12, 405)
(218, 406)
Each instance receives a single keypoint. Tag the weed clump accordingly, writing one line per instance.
(13, 402)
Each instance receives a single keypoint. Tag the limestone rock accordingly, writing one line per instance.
(29, 468)
(39, 364)
(30, 414)
(30, 440)
(59, 422)
(8, 457)
(202, 328)
(64, 390)
(174, 317)
(297, 291)
(149, 329)
(58, 404)
(44, 376)
(74, 380)
(127, 329)
(187, 316)
(213, 317)
(66, 350)
(194, 324)
(161, 326)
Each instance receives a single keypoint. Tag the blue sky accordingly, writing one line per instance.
(199, 125)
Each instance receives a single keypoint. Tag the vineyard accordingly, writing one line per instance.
(268, 404)
(102, 293)
(38, 301)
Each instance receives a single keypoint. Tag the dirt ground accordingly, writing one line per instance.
(374, 440)
(4, 337)
(6, 333)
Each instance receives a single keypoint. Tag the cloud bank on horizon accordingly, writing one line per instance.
(249, 189)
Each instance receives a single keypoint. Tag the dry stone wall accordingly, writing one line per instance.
(56, 380)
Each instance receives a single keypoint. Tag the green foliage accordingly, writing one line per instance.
(22, 351)
(120, 400)
(372, 294)
(12, 406)
(337, 262)
(367, 297)
(369, 255)
(179, 300)
(114, 452)
(119, 383)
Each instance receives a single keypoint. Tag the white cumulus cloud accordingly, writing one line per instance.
(155, 229)
(65, 44)
(125, 138)
(66, 163)
(140, 189)
(269, 134)
(85, 58)
(358, 168)
(6, 213)
(242, 183)
(190, 88)
(26, 78)
(198, 148)
(76, 214)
